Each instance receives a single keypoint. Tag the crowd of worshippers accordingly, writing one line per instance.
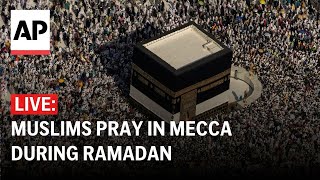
(90, 65)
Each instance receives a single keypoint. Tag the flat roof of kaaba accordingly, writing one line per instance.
(183, 46)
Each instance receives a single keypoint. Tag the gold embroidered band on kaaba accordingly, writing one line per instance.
(185, 90)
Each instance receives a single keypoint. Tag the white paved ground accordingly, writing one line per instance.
(237, 88)
(255, 86)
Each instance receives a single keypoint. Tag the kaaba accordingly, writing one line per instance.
(183, 74)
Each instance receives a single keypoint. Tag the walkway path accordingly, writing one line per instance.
(253, 81)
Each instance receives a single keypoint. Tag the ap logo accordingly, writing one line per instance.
(30, 32)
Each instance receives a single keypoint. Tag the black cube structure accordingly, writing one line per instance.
(182, 74)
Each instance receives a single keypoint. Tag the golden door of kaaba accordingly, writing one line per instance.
(188, 105)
